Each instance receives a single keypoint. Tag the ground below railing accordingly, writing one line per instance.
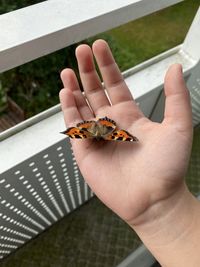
(90, 236)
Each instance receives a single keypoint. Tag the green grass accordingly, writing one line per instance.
(146, 37)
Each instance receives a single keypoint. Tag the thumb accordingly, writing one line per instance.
(177, 104)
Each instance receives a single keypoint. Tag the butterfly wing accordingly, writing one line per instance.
(81, 131)
(107, 122)
(85, 125)
(121, 135)
(105, 126)
(75, 132)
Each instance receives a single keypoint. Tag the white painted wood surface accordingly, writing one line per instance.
(191, 45)
(40, 29)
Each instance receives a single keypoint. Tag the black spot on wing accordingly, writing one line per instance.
(78, 136)
(120, 138)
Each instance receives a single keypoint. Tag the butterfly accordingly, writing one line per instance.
(103, 128)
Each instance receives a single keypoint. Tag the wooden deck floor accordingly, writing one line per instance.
(12, 115)
(8, 120)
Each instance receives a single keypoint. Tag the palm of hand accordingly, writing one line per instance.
(130, 177)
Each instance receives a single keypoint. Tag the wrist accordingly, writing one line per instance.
(173, 230)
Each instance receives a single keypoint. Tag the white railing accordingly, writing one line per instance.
(39, 179)
(40, 29)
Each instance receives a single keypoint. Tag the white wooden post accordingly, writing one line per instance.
(191, 48)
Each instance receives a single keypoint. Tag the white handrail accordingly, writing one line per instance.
(40, 29)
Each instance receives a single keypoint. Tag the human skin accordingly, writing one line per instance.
(143, 182)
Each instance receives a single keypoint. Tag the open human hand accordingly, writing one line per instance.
(129, 177)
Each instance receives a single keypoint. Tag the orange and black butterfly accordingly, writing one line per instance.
(103, 128)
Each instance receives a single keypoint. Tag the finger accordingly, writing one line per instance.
(71, 113)
(112, 77)
(177, 103)
(91, 82)
(70, 81)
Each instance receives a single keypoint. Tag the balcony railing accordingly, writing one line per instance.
(39, 179)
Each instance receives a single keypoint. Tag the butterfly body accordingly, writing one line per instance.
(100, 130)
(104, 128)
